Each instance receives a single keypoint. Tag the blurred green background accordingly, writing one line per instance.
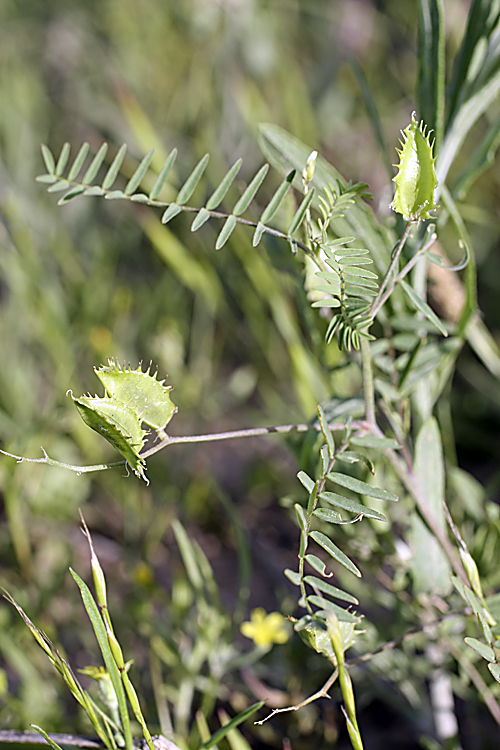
(231, 329)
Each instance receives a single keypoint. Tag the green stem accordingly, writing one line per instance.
(368, 387)
(392, 265)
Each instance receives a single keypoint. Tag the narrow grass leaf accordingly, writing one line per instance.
(334, 551)
(95, 165)
(249, 194)
(171, 211)
(139, 173)
(48, 158)
(300, 213)
(327, 606)
(225, 232)
(189, 186)
(481, 648)
(356, 485)
(102, 639)
(241, 717)
(339, 501)
(188, 555)
(424, 308)
(259, 231)
(201, 217)
(226, 182)
(277, 198)
(63, 159)
(114, 168)
(78, 163)
(163, 176)
(320, 585)
(47, 738)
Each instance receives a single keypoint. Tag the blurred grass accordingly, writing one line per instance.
(231, 329)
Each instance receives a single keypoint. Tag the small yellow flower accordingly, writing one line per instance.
(265, 629)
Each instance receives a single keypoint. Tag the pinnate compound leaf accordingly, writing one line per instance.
(424, 308)
(352, 506)
(139, 173)
(334, 551)
(114, 168)
(481, 648)
(319, 585)
(219, 193)
(163, 176)
(95, 165)
(116, 422)
(48, 158)
(250, 192)
(226, 232)
(78, 163)
(189, 186)
(362, 488)
(148, 397)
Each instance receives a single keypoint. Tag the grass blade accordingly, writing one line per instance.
(431, 58)
(221, 733)
(102, 639)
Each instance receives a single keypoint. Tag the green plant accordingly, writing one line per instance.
(384, 324)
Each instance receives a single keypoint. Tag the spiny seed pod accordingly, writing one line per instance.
(416, 179)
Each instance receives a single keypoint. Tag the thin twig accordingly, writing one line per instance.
(321, 693)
